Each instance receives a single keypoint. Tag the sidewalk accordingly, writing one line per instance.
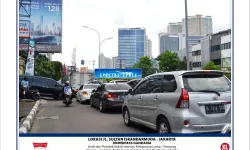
(25, 106)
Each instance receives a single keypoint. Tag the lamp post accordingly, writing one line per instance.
(100, 43)
(186, 24)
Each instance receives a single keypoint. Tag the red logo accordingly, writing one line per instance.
(40, 145)
(224, 146)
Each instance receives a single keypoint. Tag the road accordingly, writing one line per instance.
(54, 117)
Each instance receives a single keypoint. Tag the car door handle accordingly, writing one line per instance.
(139, 97)
(156, 97)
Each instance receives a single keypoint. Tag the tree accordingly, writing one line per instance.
(46, 68)
(146, 65)
(169, 61)
(183, 64)
(211, 66)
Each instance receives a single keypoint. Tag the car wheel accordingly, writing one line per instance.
(56, 97)
(126, 117)
(91, 103)
(163, 126)
(101, 106)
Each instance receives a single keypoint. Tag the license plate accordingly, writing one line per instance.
(120, 97)
(214, 109)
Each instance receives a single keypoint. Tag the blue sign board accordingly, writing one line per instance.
(82, 62)
(45, 25)
(118, 73)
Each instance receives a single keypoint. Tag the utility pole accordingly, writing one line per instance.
(186, 23)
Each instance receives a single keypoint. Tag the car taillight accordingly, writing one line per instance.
(108, 95)
(184, 99)
(85, 93)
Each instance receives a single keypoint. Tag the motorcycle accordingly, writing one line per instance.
(67, 96)
(31, 94)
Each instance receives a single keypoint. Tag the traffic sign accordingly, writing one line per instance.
(82, 62)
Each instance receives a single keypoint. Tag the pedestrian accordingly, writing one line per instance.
(25, 85)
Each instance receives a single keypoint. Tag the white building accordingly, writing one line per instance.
(148, 49)
(198, 25)
(106, 62)
(114, 62)
(174, 28)
(226, 51)
(196, 57)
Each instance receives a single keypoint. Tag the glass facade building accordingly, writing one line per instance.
(168, 42)
(131, 45)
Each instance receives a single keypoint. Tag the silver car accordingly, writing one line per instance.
(180, 102)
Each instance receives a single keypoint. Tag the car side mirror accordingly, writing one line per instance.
(93, 91)
(56, 84)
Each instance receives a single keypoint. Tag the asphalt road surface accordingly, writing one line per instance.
(55, 117)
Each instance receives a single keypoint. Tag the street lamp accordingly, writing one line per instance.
(100, 43)
(186, 24)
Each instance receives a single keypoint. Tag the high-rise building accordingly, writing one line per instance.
(131, 45)
(41, 22)
(149, 48)
(192, 40)
(114, 62)
(173, 28)
(105, 62)
(198, 25)
(168, 42)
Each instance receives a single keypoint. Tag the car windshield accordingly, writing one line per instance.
(91, 86)
(217, 83)
(118, 87)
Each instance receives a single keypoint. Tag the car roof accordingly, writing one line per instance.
(91, 84)
(181, 72)
(35, 77)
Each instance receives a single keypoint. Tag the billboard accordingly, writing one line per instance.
(83, 69)
(45, 26)
(118, 73)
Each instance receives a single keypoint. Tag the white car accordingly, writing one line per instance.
(84, 92)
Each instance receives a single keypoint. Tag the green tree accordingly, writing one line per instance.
(183, 64)
(146, 65)
(211, 66)
(46, 68)
(169, 61)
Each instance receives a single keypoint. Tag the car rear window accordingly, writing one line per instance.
(217, 83)
(120, 86)
(121, 81)
(91, 86)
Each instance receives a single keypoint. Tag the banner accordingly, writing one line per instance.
(126, 143)
(24, 29)
(30, 62)
(118, 73)
(45, 25)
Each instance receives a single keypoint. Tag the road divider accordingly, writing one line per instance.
(27, 123)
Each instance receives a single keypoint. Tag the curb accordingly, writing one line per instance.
(26, 125)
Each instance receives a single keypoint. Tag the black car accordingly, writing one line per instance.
(134, 82)
(46, 86)
(109, 95)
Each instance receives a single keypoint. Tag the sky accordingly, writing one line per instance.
(107, 16)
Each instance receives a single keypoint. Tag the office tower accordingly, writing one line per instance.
(131, 45)
(168, 42)
(114, 62)
(149, 48)
(172, 28)
(198, 25)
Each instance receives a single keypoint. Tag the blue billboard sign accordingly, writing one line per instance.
(45, 25)
(118, 73)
